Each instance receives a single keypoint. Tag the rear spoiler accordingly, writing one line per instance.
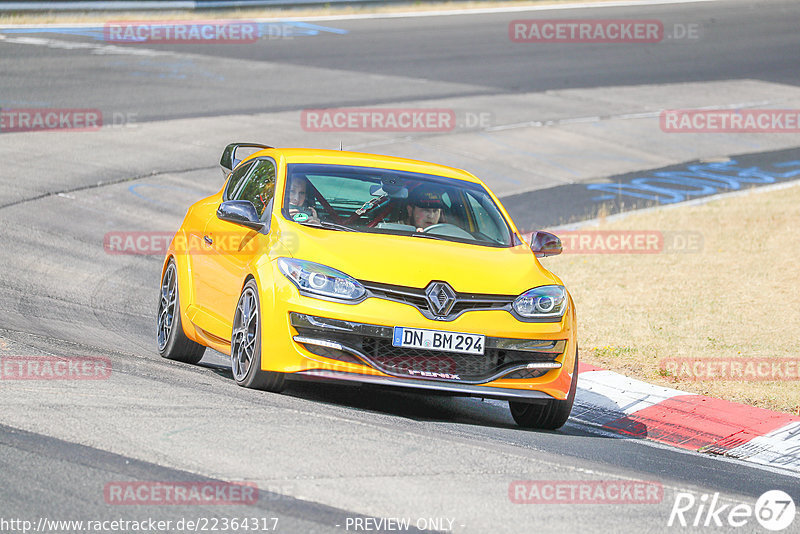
(228, 160)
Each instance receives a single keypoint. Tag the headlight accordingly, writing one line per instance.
(321, 280)
(542, 302)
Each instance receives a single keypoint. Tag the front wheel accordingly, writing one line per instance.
(550, 415)
(246, 345)
(172, 341)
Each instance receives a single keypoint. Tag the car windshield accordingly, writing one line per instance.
(386, 201)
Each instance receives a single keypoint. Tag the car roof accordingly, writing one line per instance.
(361, 159)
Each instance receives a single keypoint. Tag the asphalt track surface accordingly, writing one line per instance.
(320, 454)
(455, 56)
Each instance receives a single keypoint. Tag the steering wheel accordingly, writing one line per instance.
(437, 226)
(447, 229)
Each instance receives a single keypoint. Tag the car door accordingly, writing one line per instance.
(229, 248)
(201, 247)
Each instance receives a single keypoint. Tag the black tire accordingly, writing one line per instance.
(246, 345)
(170, 338)
(550, 415)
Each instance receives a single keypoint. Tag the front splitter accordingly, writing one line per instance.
(454, 388)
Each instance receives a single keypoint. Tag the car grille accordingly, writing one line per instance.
(401, 360)
(416, 297)
(377, 351)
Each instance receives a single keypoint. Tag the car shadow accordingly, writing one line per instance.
(433, 406)
(428, 406)
(602, 412)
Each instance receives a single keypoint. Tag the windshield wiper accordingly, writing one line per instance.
(330, 225)
(431, 236)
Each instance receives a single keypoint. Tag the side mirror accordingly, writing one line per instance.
(241, 212)
(229, 160)
(545, 244)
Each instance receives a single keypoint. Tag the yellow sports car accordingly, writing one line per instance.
(332, 265)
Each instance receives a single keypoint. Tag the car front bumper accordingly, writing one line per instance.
(454, 388)
(317, 339)
(371, 345)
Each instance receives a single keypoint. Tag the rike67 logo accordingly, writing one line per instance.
(774, 510)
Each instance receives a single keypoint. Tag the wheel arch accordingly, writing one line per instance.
(185, 289)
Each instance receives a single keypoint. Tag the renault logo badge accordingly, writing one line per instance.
(441, 298)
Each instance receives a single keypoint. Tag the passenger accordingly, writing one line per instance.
(425, 206)
(298, 188)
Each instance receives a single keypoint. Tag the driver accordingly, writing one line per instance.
(424, 207)
(299, 210)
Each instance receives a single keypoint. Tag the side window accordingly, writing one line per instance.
(236, 179)
(259, 188)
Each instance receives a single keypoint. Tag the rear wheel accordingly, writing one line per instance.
(172, 342)
(549, 415)
(246, 345)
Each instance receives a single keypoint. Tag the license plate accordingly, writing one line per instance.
(419, 338)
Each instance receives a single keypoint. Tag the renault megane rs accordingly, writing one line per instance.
(319, 264)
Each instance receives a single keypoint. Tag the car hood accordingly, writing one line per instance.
(416, 261)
